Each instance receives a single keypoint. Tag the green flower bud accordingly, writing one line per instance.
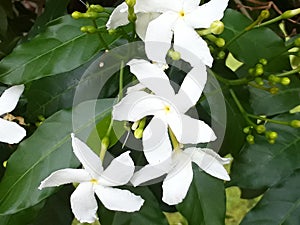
(274, 79)
(76, 15)
(297, 42)
(251, 71)
(290, 13)
(285, 81)
(259, 81)
(247, 130)
(274, 90)
(96, 8)
(295, 123)
(260, 129)
(221, 55)
(138, 133)
(264, 14)
(272, 135)
(263, 61)
(220, 42)
(112, 31)
(174, 55)
(216, 27)
(250, 139)
(83, 29)
(88, 29)
(91, 15)
(271, 141)
(259, 71)
(130, 3)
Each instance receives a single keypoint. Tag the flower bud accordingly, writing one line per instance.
(274, 90)
(290, 13)
(250, 139)
(274, 79)
(297, 42)
(174, 55)
(264, 14)
(138, 133)
(271, 141)
(88, 29)
(220, 42)
(76, 15)
(295, 123)
(263, 61)
(112, 31)
(272, 135)
(216, 27)
(96, 8)
(259, 81)
(246, 130)
(258, 71)
(221, 55)
(285, 81)
(260, 129)
(91, 15)
(130, 3)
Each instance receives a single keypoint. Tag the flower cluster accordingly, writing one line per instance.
(163, 25)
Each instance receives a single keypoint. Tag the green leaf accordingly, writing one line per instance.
(264, 103)
(280, 205)
(47, 150)
(262, 165)
(254, 44)
(150, 213)
(205, 201)
(61, 48)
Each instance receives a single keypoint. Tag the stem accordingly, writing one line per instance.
(268, 120)
(100, 36)
(120, 95)
(241, 81)
(289, 72)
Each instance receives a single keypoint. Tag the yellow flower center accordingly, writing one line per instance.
(181, 13)
(94, 181)
(167, 109)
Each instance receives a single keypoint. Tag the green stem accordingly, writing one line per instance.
(120, 95)
(241, 81)
(100, 36)
(291, 72)
(268, 120)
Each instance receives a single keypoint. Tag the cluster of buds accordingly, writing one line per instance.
(259, 129)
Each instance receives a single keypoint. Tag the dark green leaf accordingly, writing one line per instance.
(205, 201)
(47, 150)
(262, 164)
(280, 205)
(61, 48)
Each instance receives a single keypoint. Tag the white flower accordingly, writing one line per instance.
(167, 108)
(93, 179)
(177, 21)
(180, 173)
(10, 132)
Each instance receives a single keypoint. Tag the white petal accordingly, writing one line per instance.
(84, 204)
(191, 46)
(137, 105)
(65, 176)
(119, 17)
(210, 162)
(119, 200)
(150, 172)
(10, 97)
(11, 132)
(190, 5)
(137, 87)
(157, 5)
(152, 77)
(89, 160)
(178, 180)
(142, 21)
(118, 172)
(205, 14)
(156, 143)
(191, 131)
(159, 36)
(191, 88)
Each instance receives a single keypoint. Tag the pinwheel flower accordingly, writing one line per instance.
(168, 109)
(172, 20)
(10, 132)
(93, 180)
(180, 173)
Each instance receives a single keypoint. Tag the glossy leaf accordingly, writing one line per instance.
(262, 165)
(279, 205)
(205, 201)
(61, 48)
(47, 150)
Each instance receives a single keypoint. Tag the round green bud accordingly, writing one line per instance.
(251, 71)
(274, 90)
(290, 13)
(247, 130)
(295, 123)
(96, 8)
(264, 14)
(285, 81)
(272, 135)
(105, 142)
(259, 71)
(297, 42)
(130, 3)
(259, 81)
(84, 29)
(138, 133)
(250, 139)
(221, 55)
(274, 79)
(271, 141)
(220, 42)
(91, 29)
(216, 27)
(112, 31)
(174, 55)
(260, 129)
(76, 15)
(91, 15)
(263, 61)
